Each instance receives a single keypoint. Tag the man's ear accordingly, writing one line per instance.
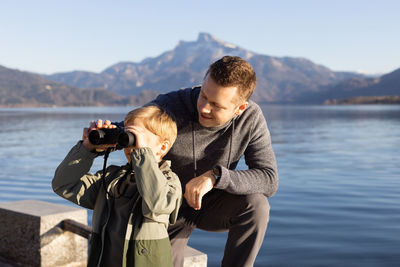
(239, 110)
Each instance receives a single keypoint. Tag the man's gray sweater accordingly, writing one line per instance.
(198, 149)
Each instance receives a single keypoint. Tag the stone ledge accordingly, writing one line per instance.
(194, 258)
(31, 235)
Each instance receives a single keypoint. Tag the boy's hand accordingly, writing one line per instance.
(144, 138)
(94, 126)
(197, 188)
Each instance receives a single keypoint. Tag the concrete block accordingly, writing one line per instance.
(30, 234)
(194, 258)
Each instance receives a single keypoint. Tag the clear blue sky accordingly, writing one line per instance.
(57, 36)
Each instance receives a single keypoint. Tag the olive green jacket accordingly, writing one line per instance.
(156, 205)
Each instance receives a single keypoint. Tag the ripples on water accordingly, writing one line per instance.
(339, 194)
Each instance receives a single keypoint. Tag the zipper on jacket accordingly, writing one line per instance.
(129, 232)
(103, 230)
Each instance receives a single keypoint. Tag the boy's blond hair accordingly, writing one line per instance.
(156, 121)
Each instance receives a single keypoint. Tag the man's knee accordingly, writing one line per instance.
(258, 207)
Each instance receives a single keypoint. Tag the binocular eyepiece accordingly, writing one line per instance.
(112, 136)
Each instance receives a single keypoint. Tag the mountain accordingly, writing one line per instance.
(358, 90)
(280, 80)
(24, 89)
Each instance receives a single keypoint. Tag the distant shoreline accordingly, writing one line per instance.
(66, 106)
(365, 100)
(360, 100)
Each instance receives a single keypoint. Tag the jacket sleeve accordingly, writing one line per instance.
(160, 190)
(262, 174)
(72, 179)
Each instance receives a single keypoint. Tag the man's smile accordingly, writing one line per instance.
(206, 117)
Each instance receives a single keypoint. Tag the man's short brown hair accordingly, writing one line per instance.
(234, 71)
(156, 121)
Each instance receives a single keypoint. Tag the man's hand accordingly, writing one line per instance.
(197, 188)
(96, 125)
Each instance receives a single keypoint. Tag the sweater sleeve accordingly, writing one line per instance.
(72, 179)
(262, 174)
(160, 190)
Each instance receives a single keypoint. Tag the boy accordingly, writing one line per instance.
(131, 217)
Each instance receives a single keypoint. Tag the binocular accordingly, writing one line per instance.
(112, 136)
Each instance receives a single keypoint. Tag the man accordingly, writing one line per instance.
(217, 125)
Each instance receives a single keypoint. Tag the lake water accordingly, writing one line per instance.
(338, 202)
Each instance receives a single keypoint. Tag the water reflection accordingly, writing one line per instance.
(337, 204)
